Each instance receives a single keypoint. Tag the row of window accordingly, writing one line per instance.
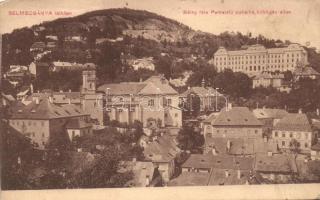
(255, 62)
(27, 123)
(231, 131)
(297, 135)
(258, 56)
(284, 144)
(259, 68)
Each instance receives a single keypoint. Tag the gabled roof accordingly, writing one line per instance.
(141, 171)
(265, 75)
(161, 83)
(305, 71)
(263, 113)
(294, 122)
(122, 88)
(77, 124)
(44, 110)
(316, 147)
(236, 116)
(163, 149)
(206, 161)
(8, 97)
(241, 146)
(190, 179)
(278, 163)
(201, 91)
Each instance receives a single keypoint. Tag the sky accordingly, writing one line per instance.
(298, 22)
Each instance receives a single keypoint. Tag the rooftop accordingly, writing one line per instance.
(77, 124)
(44, 110)
(236, 116)
(162, 149)
(201, 91)
(141, 171)
(263, 113)
(278, 163)
(190, 179)
(208, 161)
(305, 71)
(294, 122)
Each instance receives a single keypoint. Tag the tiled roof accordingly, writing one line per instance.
(8, 97)
(305, 71)
(218, 177)
(161, 83)
(278, 163)
(262, 113)
(210, 118)
(206, 161)
(201, 91)
(44, 110)
(77, 124)
(163, 149)
(190, 179)
(149, 87)
(316, 147)
(294, 122)
(241, 146)
(122, 88)
(38, 45)
(265, 75)
(141, 171)
(236, 116)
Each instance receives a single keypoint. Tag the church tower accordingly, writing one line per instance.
(89, 81)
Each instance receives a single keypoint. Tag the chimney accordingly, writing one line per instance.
(31, 88)
(147, 181)
(265, 139)
(161, 133)
(300, 111)
(61, 91)
(229, 106)
(37, 100)
(140, 80)
(70, 90)
(214, 151)
(269, 153)
(79, 149)
(134, 159)
(226, 173)
(38, 91)
(69, 101)
(50, 99)
(203, 83)
(318, 112)
(228, 145)
(239, 174)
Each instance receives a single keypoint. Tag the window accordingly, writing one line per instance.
(276, 134)
(151, 102)
(256, 131)
(306, 145)
(291, 135)
(283, 143)
(42, 123)
(306, 135)
(73, 134)
(169, 101)
(42, 134)
(176, 114)
(283, 134)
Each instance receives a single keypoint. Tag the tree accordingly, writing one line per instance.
(189, 139)
(104, 173)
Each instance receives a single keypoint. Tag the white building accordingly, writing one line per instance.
(257, 58)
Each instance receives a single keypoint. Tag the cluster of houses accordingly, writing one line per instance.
(241, 146)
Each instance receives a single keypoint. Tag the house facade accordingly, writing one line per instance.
(294, 126)
(42, 121)
(265, 79)
(233, 122)
(151, 101)
(257, 58)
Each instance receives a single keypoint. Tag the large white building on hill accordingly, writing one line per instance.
(257, 58)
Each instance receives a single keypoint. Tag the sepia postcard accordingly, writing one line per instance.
(171, 99)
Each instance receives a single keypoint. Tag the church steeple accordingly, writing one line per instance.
(89, 81)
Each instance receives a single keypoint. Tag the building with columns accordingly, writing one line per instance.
(153, 101)
(257, 58)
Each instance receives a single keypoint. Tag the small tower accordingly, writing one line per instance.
(89, 81)
(203, 83)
